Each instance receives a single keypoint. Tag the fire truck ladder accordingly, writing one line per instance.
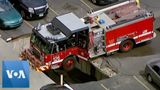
(99, 43)
(103, 39)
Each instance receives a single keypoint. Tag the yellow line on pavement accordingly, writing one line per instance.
(141, 83)
(28, 24)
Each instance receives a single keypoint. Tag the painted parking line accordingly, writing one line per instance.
(69, 87)
(53, 11)
(28, 24)
(14, 37)
(141, 83)
(87, 5)
(9, 39)
(32, 25)
(104, 87)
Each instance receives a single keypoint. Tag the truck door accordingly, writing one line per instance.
(83, 39)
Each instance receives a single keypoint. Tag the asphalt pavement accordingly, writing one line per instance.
(37, 79)
(130, 75)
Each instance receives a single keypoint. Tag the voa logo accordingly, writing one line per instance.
(13, 73)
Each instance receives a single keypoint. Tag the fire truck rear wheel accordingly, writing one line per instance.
(69, 63)
(126, 45)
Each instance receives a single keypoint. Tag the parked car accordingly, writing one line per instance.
(9, 16)
(30, 9)
(152, 71)
(103, 2)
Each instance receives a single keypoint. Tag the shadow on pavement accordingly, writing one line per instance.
(53, 87)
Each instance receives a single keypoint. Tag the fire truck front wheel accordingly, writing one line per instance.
(126, 45)
(69, 63)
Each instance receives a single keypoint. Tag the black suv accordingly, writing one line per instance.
(103, 2)
(31, 8)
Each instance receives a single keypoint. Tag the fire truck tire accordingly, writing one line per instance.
(69, 63)
(126, 45)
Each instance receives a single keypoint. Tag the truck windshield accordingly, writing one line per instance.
(38, 42)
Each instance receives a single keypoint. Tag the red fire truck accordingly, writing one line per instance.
(67, 39)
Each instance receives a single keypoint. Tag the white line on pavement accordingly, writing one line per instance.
(28, 24)
(8, 39)
(86, 5)
(104, 87)
(69, 87)
(141, 83)
(53, 11)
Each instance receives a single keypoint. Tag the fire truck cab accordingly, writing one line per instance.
(67, 38)
(64, 37)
